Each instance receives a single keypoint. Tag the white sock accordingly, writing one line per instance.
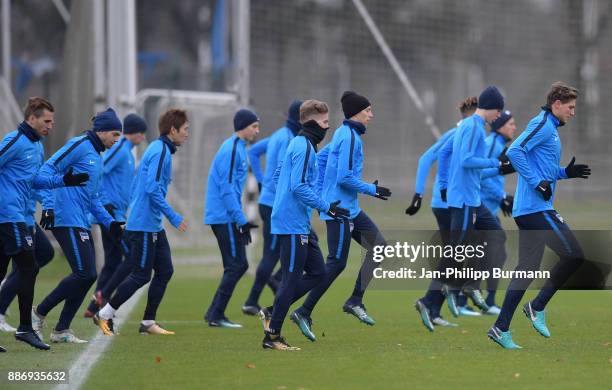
(107, 312)
(2, 318)
(147, 323)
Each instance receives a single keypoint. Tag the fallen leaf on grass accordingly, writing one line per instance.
(157, 359)
(517, 375)
(250, 365)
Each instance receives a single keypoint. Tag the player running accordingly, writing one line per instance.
(223, 212)
(301, 259)
(430, 305)
(149, 250)
(536, 155)
(118, 176)
(72, 227)
(21, 156)
(276, 146)
(344, 166)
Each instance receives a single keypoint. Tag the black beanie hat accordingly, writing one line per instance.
(353, 103)
(491, 99)
(133, 124)
(244, 118)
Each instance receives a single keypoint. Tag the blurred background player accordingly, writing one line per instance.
(301, 258)
(429, 306)
(462, 165)
(495, 198)
(21, 156)
(342, 181)
(149, 249)
(118, 176)
(72, 228)
(276, 146)
(223, 212)
(536, 155)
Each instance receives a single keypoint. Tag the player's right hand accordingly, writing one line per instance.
(75, 180)
(337, 212)
(182, 227)
(544, 188)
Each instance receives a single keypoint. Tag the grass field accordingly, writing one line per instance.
(396, 353)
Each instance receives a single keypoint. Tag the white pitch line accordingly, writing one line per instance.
(80, 369)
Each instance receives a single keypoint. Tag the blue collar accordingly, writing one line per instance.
(479, 119)
(95, 141)
(170, 144)
(556, 121)
(28, 131)
(357, 126)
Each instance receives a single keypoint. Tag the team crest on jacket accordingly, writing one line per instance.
(29, 240)
(84, 236)
(303, 239)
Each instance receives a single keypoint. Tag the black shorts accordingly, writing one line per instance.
(15, 237)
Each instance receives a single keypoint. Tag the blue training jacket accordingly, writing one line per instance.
(342, 179)
(492, 188)
(21, 156)
(150, 187)
(426, 160)
(255, 152)
(322, 165)
(119, 170)
(72, 205)
(536, 154)
(277, 147)
(226, 177)
(296, 194)
(467, 160)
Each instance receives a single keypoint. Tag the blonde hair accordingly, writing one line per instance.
(312, 107)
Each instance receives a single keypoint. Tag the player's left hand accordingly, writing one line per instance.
(415, 205)
(382, 192)
(47, 219)
(116, 229)
(577, 170)
(245, 232)
(505, 165)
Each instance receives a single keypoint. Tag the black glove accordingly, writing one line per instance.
(111, 209)
(506, 205)
(259, 187)
(415, 205)
(382, 192)
(115, 229)
(505, 167)
(77, 180)
(544, 189)
(577, 170)
(47, 219)
(337, 212)
(245, 232)
(443, 194)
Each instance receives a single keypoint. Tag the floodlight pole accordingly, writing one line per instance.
(241, 32)
(6, 40)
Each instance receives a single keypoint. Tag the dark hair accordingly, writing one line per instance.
(561, 91)
(310, 108)
(468, 105)
(35, 106)
(174, 117)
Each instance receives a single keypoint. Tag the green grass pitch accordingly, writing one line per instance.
(395, 353)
